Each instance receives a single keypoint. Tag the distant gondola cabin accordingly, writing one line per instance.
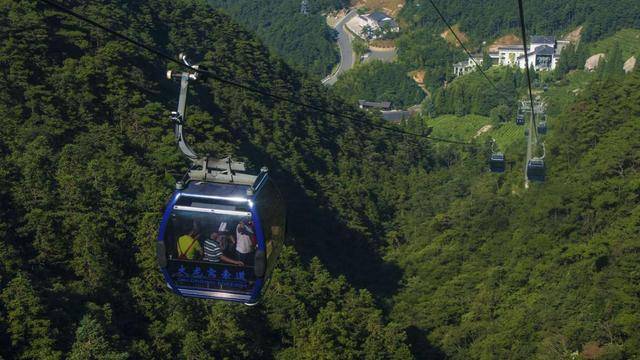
(497, 162)
(536, 169)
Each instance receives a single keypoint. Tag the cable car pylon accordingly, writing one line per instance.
(534, 166)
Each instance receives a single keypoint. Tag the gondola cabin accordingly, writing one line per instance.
(220, 240)
(497, 162)
(536, 169)
(542, 127)
(222, 229)
(520, 119)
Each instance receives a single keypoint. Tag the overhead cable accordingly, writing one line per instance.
(467, 51)
(240, 85)
(526, 62)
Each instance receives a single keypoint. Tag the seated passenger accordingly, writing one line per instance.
(228, 244)
(213, 250)
(244, 245)
(189, 245)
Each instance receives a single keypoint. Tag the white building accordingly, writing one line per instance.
(508, 54)
(372, 26)
(467, 66)
(543, 53)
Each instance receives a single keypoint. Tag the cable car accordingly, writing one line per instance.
(497, 162)
(542, 127)
(222, 229)
(536, 169)
(520, 119)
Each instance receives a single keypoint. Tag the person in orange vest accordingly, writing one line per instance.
(189, 247)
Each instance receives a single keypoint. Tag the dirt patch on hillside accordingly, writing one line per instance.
(418, 77)
(510, 39)
(389, 7)
(483, 130)
(574, 36)
(334, 17)
(448, 36)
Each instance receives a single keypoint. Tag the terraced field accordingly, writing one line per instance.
(460, 128)
(508, 134)
(467, 127)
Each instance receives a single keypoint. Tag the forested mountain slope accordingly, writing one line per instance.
(88, 159)
(485, 20)
(304, 41)
(378, 81)
(480, 23)
(492, 271)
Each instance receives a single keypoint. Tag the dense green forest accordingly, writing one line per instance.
(492, 271)
(304, 41)
(88, 159)
(379, 81)
(397, 247)
(489, 19)
(423, 49)
(473, 94)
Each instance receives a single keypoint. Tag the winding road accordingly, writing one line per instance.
(347, 56)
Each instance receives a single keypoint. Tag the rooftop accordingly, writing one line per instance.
(374, 104)
(396, 115)
(511, 47)
(379, 16)
(544, 50)
(541, 50)
(538, 39)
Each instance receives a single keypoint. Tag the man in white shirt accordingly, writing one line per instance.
(244, 246)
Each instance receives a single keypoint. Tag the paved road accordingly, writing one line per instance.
(347, 56)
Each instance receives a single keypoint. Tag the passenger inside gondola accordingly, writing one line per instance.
(245, 242)
(189, 244)
(225, 236)
(214, 250)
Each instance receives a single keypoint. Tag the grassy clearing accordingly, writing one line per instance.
(460, 128)
(507, 134)
(465, 129)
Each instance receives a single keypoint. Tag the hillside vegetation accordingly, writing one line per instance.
(88, 158)
(478, 22)
(627, 39)
(304, 42)
(484, 21)
(492, 271)
(379, 81)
